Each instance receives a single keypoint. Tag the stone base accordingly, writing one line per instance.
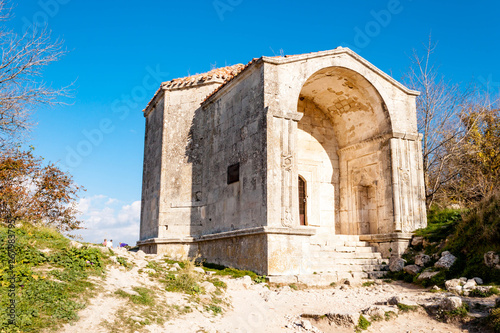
(389, 244)
(263, 250)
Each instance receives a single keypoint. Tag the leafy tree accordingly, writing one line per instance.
(479, 159)
(36, 193)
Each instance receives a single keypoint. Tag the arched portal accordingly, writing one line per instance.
(341, 154)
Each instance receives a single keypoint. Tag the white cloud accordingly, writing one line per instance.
(109, 218)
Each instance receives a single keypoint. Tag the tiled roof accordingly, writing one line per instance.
(223, 73)
(230, 78)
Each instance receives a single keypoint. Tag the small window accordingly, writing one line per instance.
(233, 173)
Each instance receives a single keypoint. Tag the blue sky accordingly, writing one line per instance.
(120, 51)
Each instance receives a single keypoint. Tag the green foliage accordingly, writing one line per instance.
(293, 286)
(479, 293)
(368, 283)
(436, 280)
(218, 283)
(214, 308)
(233, 272)
(145, 296)
(462, 311)
(440, 223)
(171, 262)
(184, 282)
(494, 320)
(51, 286)
(122, 261)
(407, 308)
(363, 323)
(476, 234)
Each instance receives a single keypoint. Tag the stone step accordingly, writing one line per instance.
(365, 249)
(377, 274)
(347, 255)
(350, 268)
(333, 243)
(352, 262)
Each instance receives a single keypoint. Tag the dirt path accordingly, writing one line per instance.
(257, 308)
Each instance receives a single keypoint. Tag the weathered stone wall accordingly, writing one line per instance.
(245, 252)
(318, 164)
(235, 132)
(181, 207)
(152, 171)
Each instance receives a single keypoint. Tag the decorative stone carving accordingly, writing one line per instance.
(287, 220)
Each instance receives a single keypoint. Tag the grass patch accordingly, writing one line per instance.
(363, 324)
(493, 320)
(480, 293)
(407, 308)
(51, 286)
(462, 311)
(440, 223)
(145, 296)
(368, 283)
(233, 272)
(388, 315)
(122, 261)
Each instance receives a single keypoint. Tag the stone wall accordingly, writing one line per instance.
(235, 133)
(152, 171)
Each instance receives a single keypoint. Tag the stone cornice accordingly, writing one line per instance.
(302, 231)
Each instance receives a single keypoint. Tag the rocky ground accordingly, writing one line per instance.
(246, 306)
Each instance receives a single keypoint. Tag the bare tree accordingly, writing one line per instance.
(450, 118)
(21, 88)
(438, 114)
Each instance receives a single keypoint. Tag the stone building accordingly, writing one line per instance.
(285, 166)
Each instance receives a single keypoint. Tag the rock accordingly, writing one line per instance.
(394, 300)
(497, 302)
(456, 289)
(435, 288)
(138, 319)
(209, 273)
(412, 269)
(247, 281)
(75, 244)
(396, 264)
(492, 260)
(173, 269)
(478, 280)
(408, 303)
(427, 275)
(484, 289)
(471, 284)
(453, 283)
(209, 287)
(463, 279)
(416, 241)
(113, 259)
(446, 261)
(140, 254)
(344, 319)
(450, 303)
(422, 259)
(306, 324)
(199, 270)
(176, 265)
(374, 312)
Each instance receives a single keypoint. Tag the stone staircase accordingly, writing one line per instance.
(347, 257)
